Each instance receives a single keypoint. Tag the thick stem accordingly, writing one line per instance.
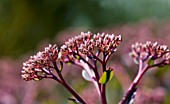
(133, 85)
(128, 93)
(103, 94)
(103, 87)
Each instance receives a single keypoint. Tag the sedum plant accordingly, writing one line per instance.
(92, 53)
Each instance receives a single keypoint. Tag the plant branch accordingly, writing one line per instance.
(96, 57)
(159, 64)
(107, 58)
(133, 85)
(64, 83)
(96, 70)
(96, 74)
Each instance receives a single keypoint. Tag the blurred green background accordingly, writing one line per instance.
(26, 26)
(24, 23)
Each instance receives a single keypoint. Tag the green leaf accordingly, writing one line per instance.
(61, 66)
(37, 79)
(106, 76)
(68, 63)
(150, 62)
(77, 57)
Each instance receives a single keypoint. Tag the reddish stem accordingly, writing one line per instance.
(96, 74)
(103, 87)
(103, 94)
(64, 83)
(133, 85)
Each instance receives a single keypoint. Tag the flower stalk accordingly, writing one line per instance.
(146, 55)
(103, 88)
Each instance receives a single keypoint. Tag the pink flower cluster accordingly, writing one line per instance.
(149, 50)
(37, 67)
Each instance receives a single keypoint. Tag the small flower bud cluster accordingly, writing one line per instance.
(86, 43)
(38, 65)
(82, 44)
(150, 50)
(107, 43)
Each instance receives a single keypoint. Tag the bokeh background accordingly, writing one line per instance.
(27, 26)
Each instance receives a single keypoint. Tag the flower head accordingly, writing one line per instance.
(37, 67)
(149, 50)
(82, 43)
(86, 44)
(107, 42)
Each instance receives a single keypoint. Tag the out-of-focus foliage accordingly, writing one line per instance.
(24, 23)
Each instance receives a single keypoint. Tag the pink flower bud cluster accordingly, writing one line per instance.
(86, 44)
(37, 67)
(150, 50)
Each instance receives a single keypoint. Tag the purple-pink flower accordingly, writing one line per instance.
(37, 67)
